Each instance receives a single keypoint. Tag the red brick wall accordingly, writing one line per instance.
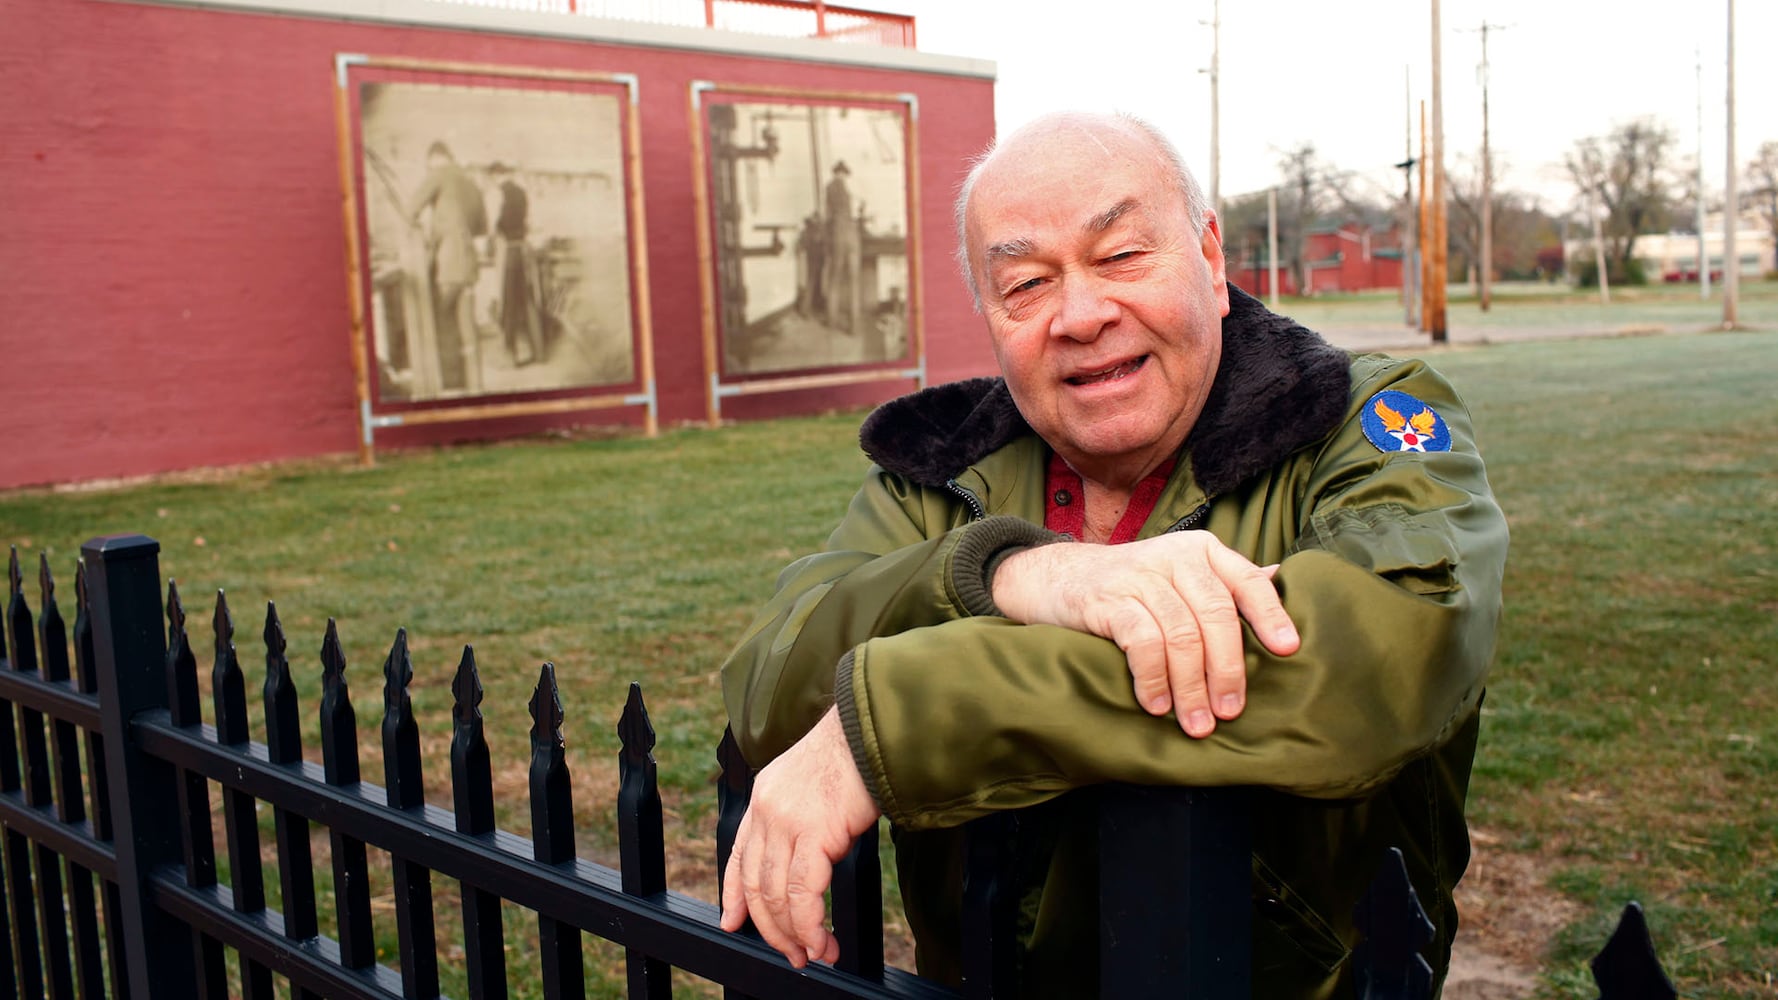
(172, 265)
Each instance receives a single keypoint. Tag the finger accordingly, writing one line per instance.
(769, 903)
(1220, 647)
(1187, 670)
(1225, 660)
(1138, 633)
(809, 876)
(734, 896)
(1256, 596)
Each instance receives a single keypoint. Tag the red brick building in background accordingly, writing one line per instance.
(1351, 257)
(175, 277)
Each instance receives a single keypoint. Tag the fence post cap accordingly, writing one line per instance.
(120, 546)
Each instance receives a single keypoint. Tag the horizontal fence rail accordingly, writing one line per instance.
(113, 886)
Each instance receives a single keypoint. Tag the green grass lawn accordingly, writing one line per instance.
(1539, 305)
(1629, 743)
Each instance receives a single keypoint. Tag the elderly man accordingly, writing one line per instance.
(1181, 541)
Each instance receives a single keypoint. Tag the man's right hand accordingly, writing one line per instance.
(1172, 603)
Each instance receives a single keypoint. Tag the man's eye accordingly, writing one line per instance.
(1024, 286)
(1124, 255)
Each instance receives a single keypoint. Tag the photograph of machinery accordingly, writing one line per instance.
(810, 217)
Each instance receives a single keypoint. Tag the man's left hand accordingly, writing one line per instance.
(808, 807)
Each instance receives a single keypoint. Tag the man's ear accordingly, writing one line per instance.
(1211, 244)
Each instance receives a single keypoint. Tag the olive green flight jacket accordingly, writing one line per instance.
(1390, 565)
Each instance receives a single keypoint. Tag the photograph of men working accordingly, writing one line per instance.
(497, 240)
(1181, 540)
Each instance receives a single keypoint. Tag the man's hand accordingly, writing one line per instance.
(1172, 603)
(808, 807)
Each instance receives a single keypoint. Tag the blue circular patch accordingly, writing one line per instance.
(1395, 421)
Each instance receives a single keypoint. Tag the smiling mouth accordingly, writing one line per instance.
(1111, 374)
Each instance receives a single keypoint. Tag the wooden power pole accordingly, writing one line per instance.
(1485, 262)
(1425, 230)
(1215, 73)
(1436, 247)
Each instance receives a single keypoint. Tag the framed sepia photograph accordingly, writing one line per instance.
(497, 239)
(808, 202)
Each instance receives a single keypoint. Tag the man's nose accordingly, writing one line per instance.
(1085, 309)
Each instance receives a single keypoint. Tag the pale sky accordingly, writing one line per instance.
(1341, 74)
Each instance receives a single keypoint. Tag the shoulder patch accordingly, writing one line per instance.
(1395, 421)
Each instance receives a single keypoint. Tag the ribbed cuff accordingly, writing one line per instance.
(848, 708)
(984, 545)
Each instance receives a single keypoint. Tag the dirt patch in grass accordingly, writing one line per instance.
(1509, 916)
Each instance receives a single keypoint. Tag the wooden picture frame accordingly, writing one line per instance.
(485, 207)
(809, 243)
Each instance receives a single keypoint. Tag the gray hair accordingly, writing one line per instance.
(1197, 207)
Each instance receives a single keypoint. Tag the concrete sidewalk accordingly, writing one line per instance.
(1360, 337)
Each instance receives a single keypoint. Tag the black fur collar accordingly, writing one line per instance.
(1279, 387)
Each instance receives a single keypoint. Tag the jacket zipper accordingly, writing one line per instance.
(976, 511)
(1190, 521)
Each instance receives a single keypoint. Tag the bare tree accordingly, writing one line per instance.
(1312, 192)
(1762, 185)
(1521, 227)
(1244, 235)
(1300, 204)
(1627, 172)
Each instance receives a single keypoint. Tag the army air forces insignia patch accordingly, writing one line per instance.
(1396, 421)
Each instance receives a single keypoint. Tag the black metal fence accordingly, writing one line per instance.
(112, 885)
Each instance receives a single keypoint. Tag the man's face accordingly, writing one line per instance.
(1104, 306)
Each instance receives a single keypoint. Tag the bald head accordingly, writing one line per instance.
(1091, 134)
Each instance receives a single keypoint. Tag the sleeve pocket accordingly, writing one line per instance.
(1390, 541)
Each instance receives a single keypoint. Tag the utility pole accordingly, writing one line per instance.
(1597, 211)
(1425, 226)
(1731, 206)
(1485, 266)
(1410, 265)
(1272, 247)
(1435, 288)
(1215, 72)
(1703, 246)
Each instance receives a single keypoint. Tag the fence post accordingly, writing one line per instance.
(990, 907)
(1196, 842)
(123, 583)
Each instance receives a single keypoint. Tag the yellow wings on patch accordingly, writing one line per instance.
(1393, 420)
(1424, 422)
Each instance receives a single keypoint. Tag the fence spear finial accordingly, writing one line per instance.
(181, 665)
(401, 731)
(1627, 968)
(634, 729)
(46, 583)
(283, 738)
(466, 690)
(339, 736)
(1387, 963)
(228, 687)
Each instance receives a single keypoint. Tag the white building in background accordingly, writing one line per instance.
(1674, 256)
